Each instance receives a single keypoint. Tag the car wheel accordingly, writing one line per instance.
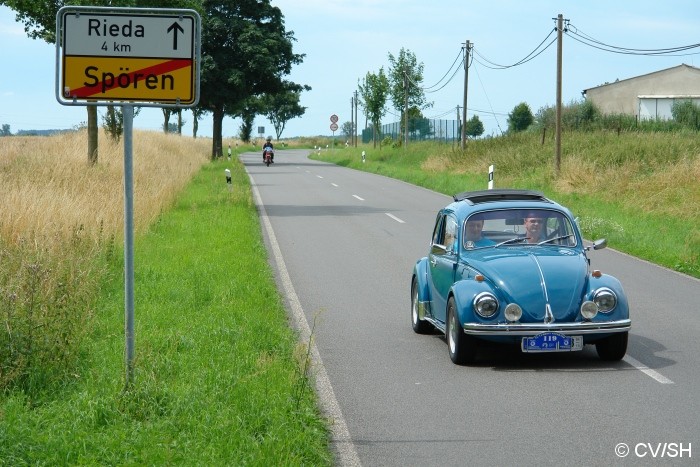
(462, 347)
(419, 326)
(612, 348)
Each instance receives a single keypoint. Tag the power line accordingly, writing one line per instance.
(574, 33)
(459, 54)
(532, 55)
(498, 123)
(428, 89)
(437, 117)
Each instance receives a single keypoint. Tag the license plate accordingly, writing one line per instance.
(551, 342)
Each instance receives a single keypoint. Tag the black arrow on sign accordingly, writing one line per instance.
(175, 27)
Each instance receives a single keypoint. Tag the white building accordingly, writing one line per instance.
(649, 96)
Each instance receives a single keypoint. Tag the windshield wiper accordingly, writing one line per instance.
(553, 239)
(511, 240)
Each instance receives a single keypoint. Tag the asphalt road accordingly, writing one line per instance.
(344, 242)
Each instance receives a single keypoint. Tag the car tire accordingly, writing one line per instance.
(462, 348)
(612, 348)
(419, 326)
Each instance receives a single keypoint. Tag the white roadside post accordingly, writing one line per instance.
(491, 177)
(228, 179)
(363, 157)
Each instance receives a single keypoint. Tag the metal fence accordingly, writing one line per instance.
(419, 129)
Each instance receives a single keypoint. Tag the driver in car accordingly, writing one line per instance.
(535, 229)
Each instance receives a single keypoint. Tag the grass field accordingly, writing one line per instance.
(220, 378)
(639, 190)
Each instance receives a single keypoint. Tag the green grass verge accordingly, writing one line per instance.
(219, 375)
(638, 190)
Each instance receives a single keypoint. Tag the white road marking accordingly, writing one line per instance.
(395, 218)
(355, 196)
(319, 176)
(334, 185)
(347, 454)
(647, 371)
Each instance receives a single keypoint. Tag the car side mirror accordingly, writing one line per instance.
(437, 249)
(600, 244)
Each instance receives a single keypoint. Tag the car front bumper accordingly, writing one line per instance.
(532, 329)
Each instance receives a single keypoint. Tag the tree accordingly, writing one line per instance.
(520, 118)
(405, 77)
(347, 128)
(417, 124)
(196, 115)
(246, 129)
(39, 19)
(113, 122)
(686, 113)
(167, 112)
(245, 53)
(284, 106)
(474, 127)
(5, 130)
(374, 91)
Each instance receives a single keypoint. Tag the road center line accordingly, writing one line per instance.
(319, 176)
(355, 196)
(395, 218)
(647, 371)
(334, 184)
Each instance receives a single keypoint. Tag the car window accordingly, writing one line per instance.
(450, 233)
(439, 230)
(532, 226)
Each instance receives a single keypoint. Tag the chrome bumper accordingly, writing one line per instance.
(532, 329)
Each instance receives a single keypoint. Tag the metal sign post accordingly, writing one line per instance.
(128, 111)
(106, 56)
(334, 127)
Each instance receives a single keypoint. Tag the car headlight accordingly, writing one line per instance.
(485, 304)
(589, 309)
(513, 312)
(605, 299)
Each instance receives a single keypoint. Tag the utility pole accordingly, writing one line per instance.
(356, 125)
(405, 108)
(557, 135)
(352, 119)
(458, 126)
(466, 85)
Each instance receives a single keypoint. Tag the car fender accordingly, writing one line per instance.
(621, 311)
(420, 272)
(464, 292)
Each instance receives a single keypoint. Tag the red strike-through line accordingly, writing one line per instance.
(161, 68)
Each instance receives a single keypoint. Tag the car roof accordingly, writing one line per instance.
(468, 202)
(486, 196)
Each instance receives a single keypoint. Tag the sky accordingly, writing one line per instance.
(343, 40)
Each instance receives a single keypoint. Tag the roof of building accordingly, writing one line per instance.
(682, 65)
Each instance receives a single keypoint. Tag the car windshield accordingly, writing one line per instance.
(518, 227)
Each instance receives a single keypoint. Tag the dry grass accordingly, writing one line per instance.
(49, 191)
(652, 172)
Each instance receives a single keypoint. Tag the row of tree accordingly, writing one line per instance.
(247, 54)
(402, 84)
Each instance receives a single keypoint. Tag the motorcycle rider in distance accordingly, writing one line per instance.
(266, 146)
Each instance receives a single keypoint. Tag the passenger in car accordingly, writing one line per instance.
(474, 236)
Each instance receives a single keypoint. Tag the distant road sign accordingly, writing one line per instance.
(142, 55)
(334, 118)
(334, 126)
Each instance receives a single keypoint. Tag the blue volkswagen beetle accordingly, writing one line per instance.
(510, 266)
